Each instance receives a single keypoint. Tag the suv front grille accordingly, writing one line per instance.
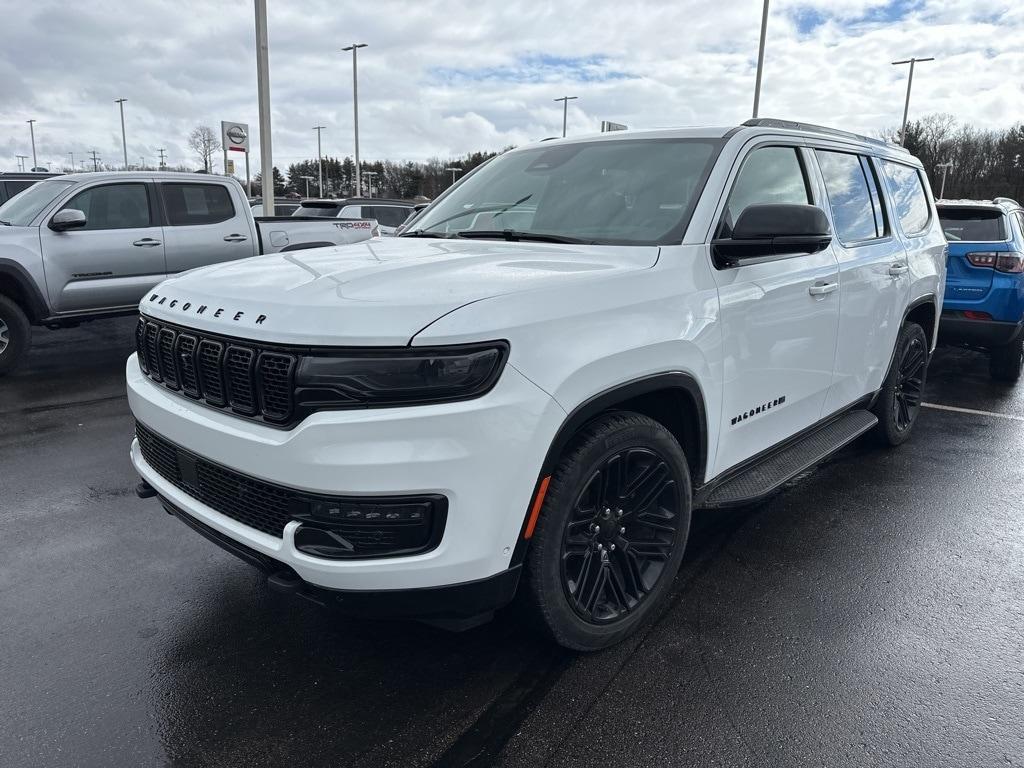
(245, 377)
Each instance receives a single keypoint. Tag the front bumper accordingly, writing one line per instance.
(483, 455)
(956, 329)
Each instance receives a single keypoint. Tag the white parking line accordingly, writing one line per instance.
(937, 407)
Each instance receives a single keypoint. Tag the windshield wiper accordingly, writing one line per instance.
(424, 233)
(515, 235)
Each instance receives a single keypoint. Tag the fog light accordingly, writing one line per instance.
(370, 527)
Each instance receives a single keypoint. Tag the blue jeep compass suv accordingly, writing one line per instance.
(984, 304)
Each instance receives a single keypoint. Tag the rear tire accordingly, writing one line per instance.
(15, 335)
(899, 403)
(611, 532)
(1005, 363)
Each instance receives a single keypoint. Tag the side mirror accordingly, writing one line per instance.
(69, 218)
(766, 231)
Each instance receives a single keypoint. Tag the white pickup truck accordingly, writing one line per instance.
(79, 247)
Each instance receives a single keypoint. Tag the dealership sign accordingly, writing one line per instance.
(235, 136)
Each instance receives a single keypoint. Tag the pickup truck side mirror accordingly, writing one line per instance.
(767, 231)
(69, 218)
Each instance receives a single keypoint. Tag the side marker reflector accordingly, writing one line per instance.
(538, 502)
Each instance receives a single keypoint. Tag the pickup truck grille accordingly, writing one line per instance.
(246, 378)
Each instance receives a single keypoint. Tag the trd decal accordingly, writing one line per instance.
(767, 406)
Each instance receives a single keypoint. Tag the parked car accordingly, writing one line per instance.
(15, 182)
(984, 305)
(285, 206)
(390, 214)
(75, 248)
(429, 424)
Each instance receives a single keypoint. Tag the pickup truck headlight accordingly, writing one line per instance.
(411, 376)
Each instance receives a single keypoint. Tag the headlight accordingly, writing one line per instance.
(412, 376)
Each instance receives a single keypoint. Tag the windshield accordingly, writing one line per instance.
(623, 191)
(972, 225)
(320, 211)
(21, 209)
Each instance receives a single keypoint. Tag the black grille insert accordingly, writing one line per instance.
(248, 378)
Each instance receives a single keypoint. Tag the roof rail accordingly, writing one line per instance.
(771, 122)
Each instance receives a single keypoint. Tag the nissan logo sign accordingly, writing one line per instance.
(236, 135)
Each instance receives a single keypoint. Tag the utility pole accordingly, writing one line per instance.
(565, 110)
(124, 142)
(906, 105)
(355, 108)
(263, 88)
(309, 179)
(760, 58)
(21, 161)
(454, 171)
(32, 133)
(163, 159)
(72, 156)
(95, 160)
(319, 163)
(946, 166)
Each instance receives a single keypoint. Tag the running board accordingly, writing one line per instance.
(768, 473)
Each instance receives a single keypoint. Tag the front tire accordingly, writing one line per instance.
(15, 335)
(1005, 363)
(611, 532)
(899, 403)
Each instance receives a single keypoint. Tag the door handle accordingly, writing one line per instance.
(898, 269)
(146, 242)
(820, 289)
(236, 238)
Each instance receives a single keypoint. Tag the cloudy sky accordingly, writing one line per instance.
(443, 77)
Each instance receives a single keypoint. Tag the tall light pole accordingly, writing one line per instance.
(308, 179)
(454, 171)
(72, 156)
(946, 166)
(906, 105)
(565, 110)
(319, 163)
(163, 161)
(124, 142)
(355, 108)
(32, 133)
(21, 161)
(760, 58)
(371, 174)
(263, 91)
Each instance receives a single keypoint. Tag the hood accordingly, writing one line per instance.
(378, 292)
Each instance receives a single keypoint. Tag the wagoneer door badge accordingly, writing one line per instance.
(766, 406)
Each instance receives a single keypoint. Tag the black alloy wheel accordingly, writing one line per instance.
(620, 535)
(611, 533)
(909, 384)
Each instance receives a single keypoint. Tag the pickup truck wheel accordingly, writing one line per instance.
(899, 403)
(611, 532)
(15, 335)
(1005, 363)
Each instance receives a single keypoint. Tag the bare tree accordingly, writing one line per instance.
(204, 142)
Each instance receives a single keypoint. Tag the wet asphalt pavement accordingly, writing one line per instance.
(872, 614)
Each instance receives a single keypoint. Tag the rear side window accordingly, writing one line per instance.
(769, 175)
(908, 196)
(113, 206)
(189, 204)
(972, 225)
(853, 212)
(389, 215)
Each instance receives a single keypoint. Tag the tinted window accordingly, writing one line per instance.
(972, 225)
(768, 175)
(113, 206)
(627, 191)
(197, 203)
(19, 211)
(14, 187)
(853, 215)
(908, 196)
(877, 198)
(389, 215)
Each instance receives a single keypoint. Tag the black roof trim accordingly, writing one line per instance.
(792, 125)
